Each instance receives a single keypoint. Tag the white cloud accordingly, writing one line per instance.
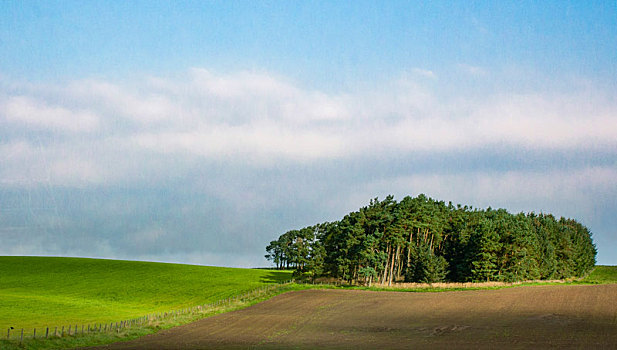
(263, 141)
(424, 73)
(241, 85)
(265, 119)
(38, 114)
(141, 104)
(532, 121)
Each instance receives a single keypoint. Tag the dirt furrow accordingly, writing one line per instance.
(579, 316)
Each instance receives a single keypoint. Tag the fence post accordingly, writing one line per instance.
(47, 333)
(62, 331)
(69, 329)
(34, 334)
(8, 334)
(21, 339)
(56, 331)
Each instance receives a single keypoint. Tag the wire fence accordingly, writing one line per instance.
(23, 334)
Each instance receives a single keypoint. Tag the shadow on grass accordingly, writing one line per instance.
(276, 276)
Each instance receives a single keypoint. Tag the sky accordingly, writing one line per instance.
(197, 132)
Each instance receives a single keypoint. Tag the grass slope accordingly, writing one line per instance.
(45, 291)
(602, 274)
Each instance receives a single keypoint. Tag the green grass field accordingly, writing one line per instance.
(602, 274)
(45, 291)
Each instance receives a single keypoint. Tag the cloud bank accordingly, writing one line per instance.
(181, 166)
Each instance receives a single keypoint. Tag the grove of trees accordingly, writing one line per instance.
(424, 240)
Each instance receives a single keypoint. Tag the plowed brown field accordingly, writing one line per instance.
(579, 316)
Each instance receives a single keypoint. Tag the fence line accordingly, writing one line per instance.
(14, 334)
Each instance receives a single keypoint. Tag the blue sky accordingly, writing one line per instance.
(199, 131)
(310, 41)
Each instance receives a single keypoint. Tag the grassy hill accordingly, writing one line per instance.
(602, 274)
(47, 291)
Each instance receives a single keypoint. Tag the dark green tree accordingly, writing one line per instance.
(424, 240)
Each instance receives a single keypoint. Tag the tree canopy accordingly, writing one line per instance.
(424, 240)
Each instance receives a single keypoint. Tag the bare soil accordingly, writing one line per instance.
(579, 316)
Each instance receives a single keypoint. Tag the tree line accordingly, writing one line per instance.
(424, 240)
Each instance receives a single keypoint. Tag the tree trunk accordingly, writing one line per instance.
(431, 244)
(392, 268)
(399, 265)
(409, 248)
(385, 270)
